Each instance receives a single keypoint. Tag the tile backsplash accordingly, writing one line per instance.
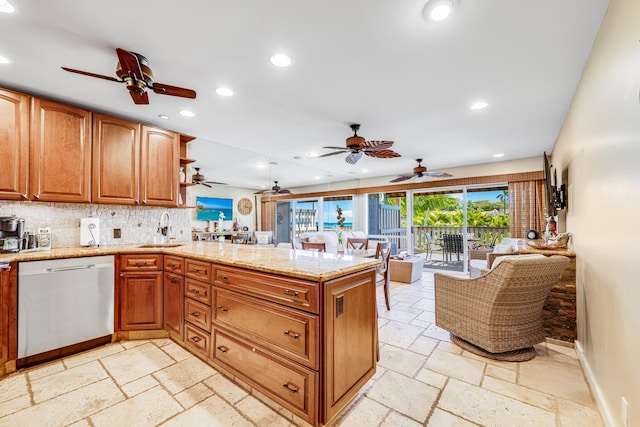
(138, 224)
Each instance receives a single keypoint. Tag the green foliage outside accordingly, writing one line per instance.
(441, 210)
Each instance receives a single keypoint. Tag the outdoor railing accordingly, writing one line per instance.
(484, 235)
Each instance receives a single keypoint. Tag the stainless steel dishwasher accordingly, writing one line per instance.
(64, 302)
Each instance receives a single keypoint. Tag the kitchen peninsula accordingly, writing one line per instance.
(298, 327)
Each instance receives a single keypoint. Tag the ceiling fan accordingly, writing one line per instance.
(357, 145)
(276, 189)
(134, 71)
(198, 178)
(420, 172)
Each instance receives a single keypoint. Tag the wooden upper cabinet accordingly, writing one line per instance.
(14, 145)
(159, 166)
(116, 160)
(61, 152)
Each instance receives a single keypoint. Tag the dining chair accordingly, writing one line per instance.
(383, 253)
(296, 242)
(314, 246)
(357, 242)
(263, 237)
(240, 239)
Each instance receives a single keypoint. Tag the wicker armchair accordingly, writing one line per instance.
(499, 314)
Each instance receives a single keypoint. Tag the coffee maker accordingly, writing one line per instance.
(11, 233)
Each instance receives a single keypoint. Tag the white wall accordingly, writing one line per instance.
(600, 145)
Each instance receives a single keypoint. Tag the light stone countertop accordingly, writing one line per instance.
(287, 262)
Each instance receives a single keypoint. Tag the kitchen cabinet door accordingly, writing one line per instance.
(159, 166)
(141, 300)
(173, 306)
(60, 165)
(116, 160)
(14, 145)
(8, 314)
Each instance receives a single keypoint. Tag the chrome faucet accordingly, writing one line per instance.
(164, 226)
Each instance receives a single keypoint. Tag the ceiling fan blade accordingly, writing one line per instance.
(130, 64)
(377, 145)
(332, 154)
(164, 89)
(139, 97)
(205, 184)
(437, 174)
(402, 178)
(216, 183)
(353, 158)
(337, 148)
(283, 191)
(382, 154)
(262, 191)
(86, 73)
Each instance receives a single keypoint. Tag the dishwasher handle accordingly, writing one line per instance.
(74, 267)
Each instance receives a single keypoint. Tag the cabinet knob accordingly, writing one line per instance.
(292, 334)
(195, 314)
(195, 291)
(290, 387)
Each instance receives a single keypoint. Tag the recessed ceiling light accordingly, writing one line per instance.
(313, 155)
(316, 177)
(187, 113)
(261, 165)
(280, 60)
(365, 170)
(163, 116)
(437, 10)
(224, 91)
(498, 155)
(6, 7)
(479, 105)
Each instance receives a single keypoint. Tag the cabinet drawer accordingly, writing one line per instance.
(197, 270)
(141, 262)
(291, 333)
(197, 290)
(291, 292)
(197, 313)
(174, 264)
(196, 340)
(286, 382)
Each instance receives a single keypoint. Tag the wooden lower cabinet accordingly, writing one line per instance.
(308, 346)
(141, 292)
(172, 305)
(8, 314)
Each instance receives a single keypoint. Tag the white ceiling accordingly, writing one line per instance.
(377, 63)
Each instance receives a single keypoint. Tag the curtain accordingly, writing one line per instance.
(528, 207)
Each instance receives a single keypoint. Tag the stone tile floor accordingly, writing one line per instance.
(422, 380)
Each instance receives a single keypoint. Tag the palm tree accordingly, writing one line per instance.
(504, 198)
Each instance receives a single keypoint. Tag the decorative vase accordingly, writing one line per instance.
(340, 247)
(221, 239)
(183, 175)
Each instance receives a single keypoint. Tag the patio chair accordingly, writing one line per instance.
(433, 247)
(452, 244)
(499, 314)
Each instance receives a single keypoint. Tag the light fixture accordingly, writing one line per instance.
(497, 155)
(163, 116)
(6, 7)
(4, 60)
(479, 105)
(187, 113)
(224, 91)
(437, 10)
(280, 60)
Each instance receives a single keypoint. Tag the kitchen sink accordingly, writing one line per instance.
(160, 245)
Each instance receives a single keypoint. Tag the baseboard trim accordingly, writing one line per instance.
(598, 394)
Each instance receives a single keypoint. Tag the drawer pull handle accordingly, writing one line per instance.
(196, 339)
(291, 388)
(172, 279)
(195, 314)
(173, 266)
(224, 277)
(141, 263)
(196, 291)
(293, 335)
(291, 293)
(222, 348)
(222, 308)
